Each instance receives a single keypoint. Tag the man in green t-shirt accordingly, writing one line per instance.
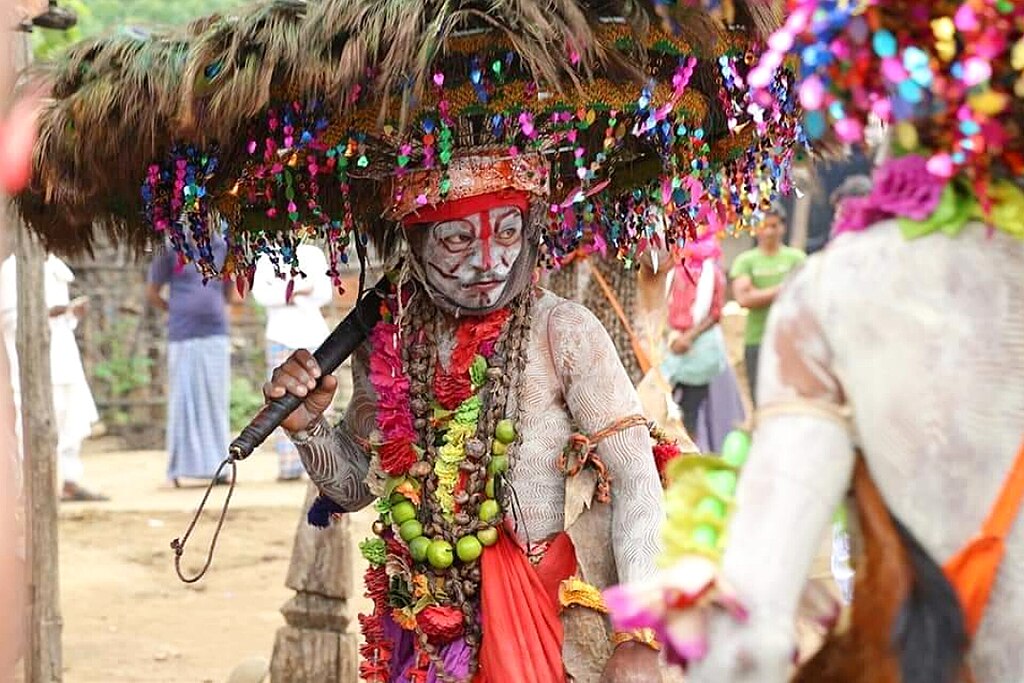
(756, 276)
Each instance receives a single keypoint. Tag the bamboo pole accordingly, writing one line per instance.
(43, 652)
(800, 220)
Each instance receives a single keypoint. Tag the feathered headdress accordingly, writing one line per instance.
(327, 118)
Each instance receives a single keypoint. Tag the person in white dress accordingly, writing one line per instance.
(294, 322)
(74, 407)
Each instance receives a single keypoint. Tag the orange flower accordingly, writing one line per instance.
(410, 491)
(404, 619)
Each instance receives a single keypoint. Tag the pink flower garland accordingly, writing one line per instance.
(903, 188)
(394, 417)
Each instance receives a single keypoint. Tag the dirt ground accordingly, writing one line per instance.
(127, 617)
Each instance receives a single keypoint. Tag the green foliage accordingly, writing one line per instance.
(121, 372)
(246, 400)
(97, 17)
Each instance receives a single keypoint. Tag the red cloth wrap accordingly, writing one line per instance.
(470, 206)
(522, 630)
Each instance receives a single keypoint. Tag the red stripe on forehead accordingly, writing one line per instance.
(481, 204)
(486, 231)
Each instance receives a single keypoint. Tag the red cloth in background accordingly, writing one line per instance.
(683, 292)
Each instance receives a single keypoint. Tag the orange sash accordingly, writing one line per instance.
(522, 630)
(972, 571)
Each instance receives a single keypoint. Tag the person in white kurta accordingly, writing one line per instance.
(293, 322)
(74, 408)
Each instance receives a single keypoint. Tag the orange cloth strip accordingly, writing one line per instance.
(522, 630)
(973, 570)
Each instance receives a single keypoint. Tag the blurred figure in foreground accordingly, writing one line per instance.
(892, 362)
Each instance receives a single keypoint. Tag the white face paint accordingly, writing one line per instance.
(469, 260)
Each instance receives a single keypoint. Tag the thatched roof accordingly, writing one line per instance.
(120, 103)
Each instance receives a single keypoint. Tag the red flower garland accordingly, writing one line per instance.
(375, 653)
(451, 389)
(453, 386)
(396, 457)
(441, 624)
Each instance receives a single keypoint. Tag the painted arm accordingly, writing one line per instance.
(799, 469)
(335, 459)
(598, 393)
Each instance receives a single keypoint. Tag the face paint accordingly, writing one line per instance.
(469, 259)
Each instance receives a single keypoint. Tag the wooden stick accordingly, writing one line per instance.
(43, 651)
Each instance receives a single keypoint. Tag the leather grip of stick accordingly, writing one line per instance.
(338, 346)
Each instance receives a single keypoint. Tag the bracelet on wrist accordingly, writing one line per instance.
(642, 636)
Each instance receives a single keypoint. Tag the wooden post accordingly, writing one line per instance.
(43, 651)
(801, 219)
(315, 645)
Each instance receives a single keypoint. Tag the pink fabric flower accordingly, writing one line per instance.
(676, 603)
(855, 214)
(904, 188)
(394, 418)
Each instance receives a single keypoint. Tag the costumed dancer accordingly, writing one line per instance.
(492, 425)
(475, 361)
(893, 361)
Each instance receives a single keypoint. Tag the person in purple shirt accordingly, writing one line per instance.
(199, 364)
